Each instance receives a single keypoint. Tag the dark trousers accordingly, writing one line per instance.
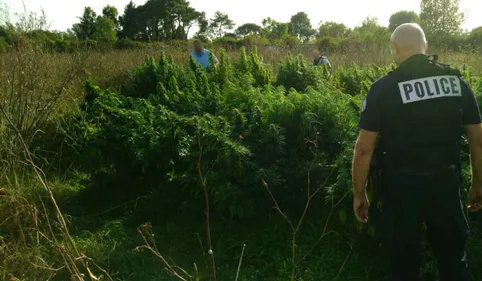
(411, 199)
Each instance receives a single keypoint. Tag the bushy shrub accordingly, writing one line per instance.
(229, 125)
(254, 66)
(356, 80)
(3, 45)
(173, 127)
(296, 73)
(127, 43)
(228, 43)
(328, 44)
(252, 40)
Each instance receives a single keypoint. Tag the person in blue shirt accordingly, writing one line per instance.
(322, 60)
(201, 55)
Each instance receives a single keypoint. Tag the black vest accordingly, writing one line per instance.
(422, 115)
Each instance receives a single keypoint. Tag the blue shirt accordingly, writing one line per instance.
(322, 60)
(203, 58)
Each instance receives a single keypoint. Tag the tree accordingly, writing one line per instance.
(203, 24)
(249, 29)
(300, 26)
(69, 36)
(181, 18)
(4, 15)
(402, 17)
(111, 13)
(85, 29)
(273, 29)
(441, 17)
(332, 29)
(475, 37)
(104, 30)
(130, 22)
(370, 33)
(370, 25)
(160, 20)
(220, 24)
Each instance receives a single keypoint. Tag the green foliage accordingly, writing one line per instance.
(169, 21)
(357, 81)
(252, 40)
(255, 67)
(402, 17)
(233, 126)
(296, 73)
(249, 29)
(370, 34)
(111, 13)
(3, 45)
(171, 127)
(273, 29)
(330, 44)
(104, 31)
(226, 42)
(231, 123)
(160, 20)
(333, 29)
(85, 29)
(475, 37)
(300, 26)
(127, 44)
(129, 22)
(219, 25)
(441, 18)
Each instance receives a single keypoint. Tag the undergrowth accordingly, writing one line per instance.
(178, 173)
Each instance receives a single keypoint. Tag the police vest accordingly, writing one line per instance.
(422, 123)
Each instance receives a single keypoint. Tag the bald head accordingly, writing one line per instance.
(408, 39)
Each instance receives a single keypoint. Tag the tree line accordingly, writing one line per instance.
(175, 20)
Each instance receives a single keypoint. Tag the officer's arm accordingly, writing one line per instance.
(472, 121)
(474, 136)
(364, 147)
(370, 124)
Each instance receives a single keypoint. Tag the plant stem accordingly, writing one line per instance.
(206, 201)
(240, 261)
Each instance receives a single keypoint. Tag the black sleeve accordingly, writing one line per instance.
(470, 108)
(370, 118)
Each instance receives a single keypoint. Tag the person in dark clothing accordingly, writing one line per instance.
(412, 120)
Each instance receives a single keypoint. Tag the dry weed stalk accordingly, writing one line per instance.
(202, 179)
(296, 228)
(240, 262)
(176, 271)
(145, 231)
(69, 253)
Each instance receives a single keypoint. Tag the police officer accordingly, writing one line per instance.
(415, 116)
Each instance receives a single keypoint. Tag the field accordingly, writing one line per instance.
(131, 165)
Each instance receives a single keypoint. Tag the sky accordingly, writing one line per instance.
(62, 14)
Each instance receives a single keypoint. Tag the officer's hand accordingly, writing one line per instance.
(361, 206)
(475, 198)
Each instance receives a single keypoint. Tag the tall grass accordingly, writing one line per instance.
(60, 77)
(36, 88)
